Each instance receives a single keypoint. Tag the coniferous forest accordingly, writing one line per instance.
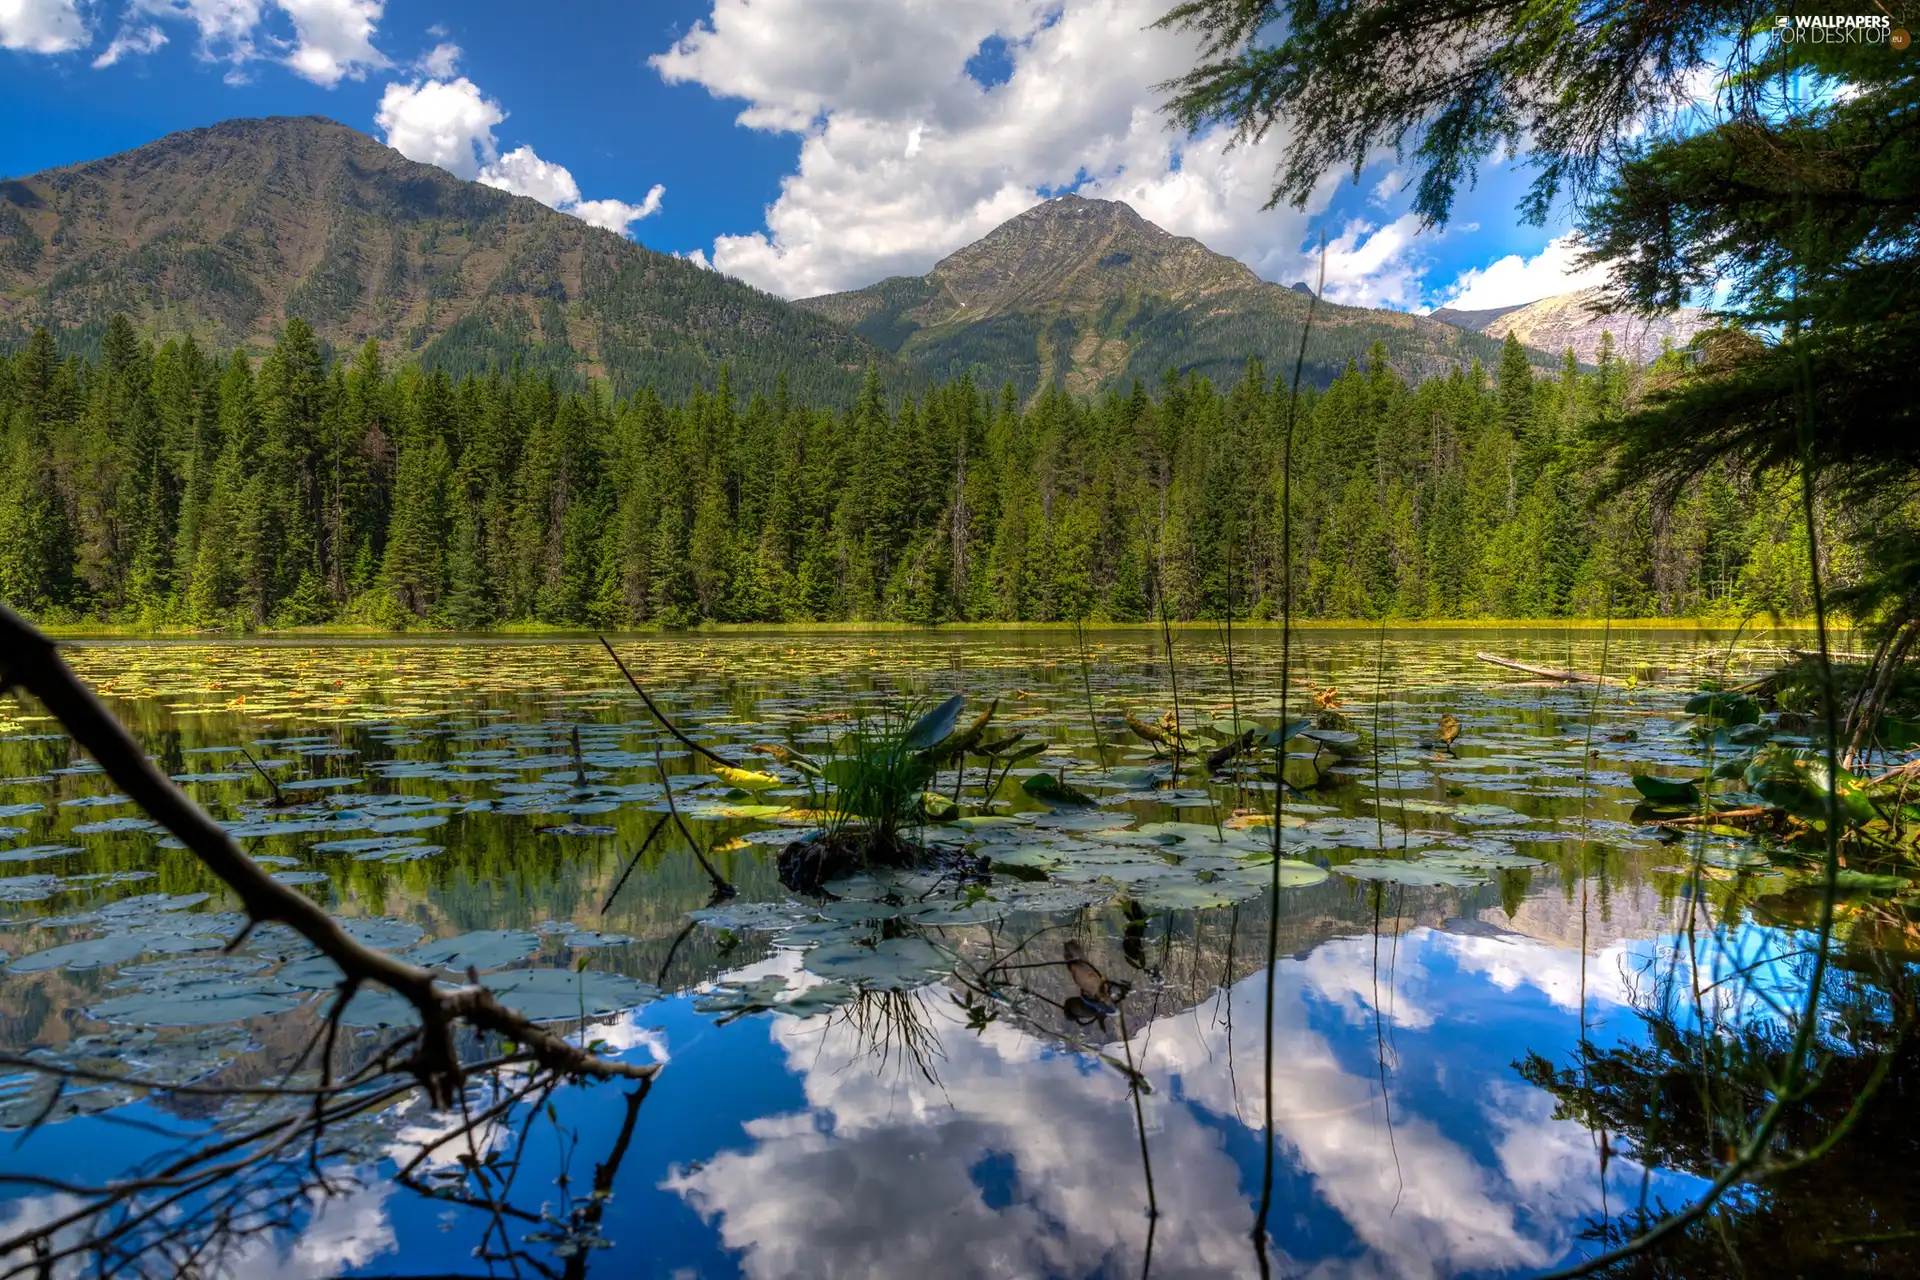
(173, 486)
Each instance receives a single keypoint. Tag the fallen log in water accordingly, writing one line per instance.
(1547, 673)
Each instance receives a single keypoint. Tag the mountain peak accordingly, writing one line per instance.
(1086, 294)
(227, 232)
(1579, 320)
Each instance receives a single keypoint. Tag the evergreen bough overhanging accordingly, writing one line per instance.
(168, 487)
(1791, 190)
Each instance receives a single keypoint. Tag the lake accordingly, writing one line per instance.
(1480, 956)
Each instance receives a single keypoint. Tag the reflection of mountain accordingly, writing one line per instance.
(1016, 1159)
(1613, 913)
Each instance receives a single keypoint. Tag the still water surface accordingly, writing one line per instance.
(923, 1113)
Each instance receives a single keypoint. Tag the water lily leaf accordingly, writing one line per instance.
(34, 853)
(315, 973)
(28, 888)
(933, 727)
(381, 932)
(550, 995)
(1420, 874)
(1281, 734)
(482, 949)
(595, 938)
(107, 826)
(759, 916)
(409, 822)
(770, 995)
(377, 1007)
(1725, 708)
(95, 802)
(1042, 857)
(751, 812)
(1667, 790)
(893, 964)
(1797, 779)
(88, 953)
(1046, 787)
(114, 948)
(1480, 860)
(748, 779)
(198, 1004)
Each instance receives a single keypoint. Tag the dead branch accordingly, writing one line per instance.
(29, 661)
(1708, 819)
(1547, 673)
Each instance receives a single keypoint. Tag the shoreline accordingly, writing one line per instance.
(80, 632)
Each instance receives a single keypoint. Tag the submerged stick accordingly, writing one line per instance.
(29, 661)
(665, 723)
(721, 889)
(1547, 673)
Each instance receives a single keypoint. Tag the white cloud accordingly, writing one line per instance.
(1515, 281)
(442, 62)
(905, 158)
(226, 27)
(617, 215)
(334, 39)
(873, 1174)
(450, 123)
(131, 41)
(42, 26)
(1370, 266)
(526, 174)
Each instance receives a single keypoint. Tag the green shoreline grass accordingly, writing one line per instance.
(134, 631)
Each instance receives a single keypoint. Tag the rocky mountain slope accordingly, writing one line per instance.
(1579, 320)
(227, 231)
(1087, 294)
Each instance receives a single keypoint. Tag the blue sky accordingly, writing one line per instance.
(802, 145)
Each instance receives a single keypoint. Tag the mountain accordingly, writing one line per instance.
(1088, 295)
(1472, 321)
(227, 231)
(1578, 320)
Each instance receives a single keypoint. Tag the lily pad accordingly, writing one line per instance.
(35, 853)
(482, 949)
(759, 916)
(595, 938)
(770, 995)
(549, 995)
(893, 964)
(1667, 790)
(199, 1004)
(1413, 874)
(1045, 787)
